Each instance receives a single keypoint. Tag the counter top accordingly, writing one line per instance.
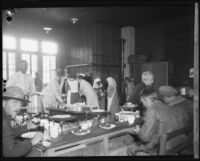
(96, 134)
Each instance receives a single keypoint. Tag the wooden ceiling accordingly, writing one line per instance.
(118, 15)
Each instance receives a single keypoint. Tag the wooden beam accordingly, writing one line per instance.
(196, 82)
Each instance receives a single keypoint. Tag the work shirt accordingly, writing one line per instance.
(23, 81)
(135, 94)
(13, 147)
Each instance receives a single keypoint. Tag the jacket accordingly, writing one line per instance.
(183, 109)
(13, 147)
(135, 94)
(159, 119)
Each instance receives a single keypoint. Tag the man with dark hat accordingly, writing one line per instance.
(159, 119)
(182, 107)
(12, 146)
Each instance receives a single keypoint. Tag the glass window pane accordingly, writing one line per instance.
(53, 62)
(26, 57)
(29, 45)
(9, 42)
(11, 63)
(49, 48)
(34, 64)
(49, 64)
(4, 65)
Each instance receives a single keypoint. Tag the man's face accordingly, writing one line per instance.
(146, 102)
(149, 81)
(12, 107)
(23, 67)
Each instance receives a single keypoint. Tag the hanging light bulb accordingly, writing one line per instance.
(74, 20)
(9, 14)
(47, 29)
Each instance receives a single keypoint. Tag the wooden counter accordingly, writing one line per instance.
(73, 145)
(79, 115)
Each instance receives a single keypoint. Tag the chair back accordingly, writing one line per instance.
(188, 131)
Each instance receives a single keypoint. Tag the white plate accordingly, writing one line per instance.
(110, 127)
(82, 133)
(98, 110)
(28, 135)
(61, 116)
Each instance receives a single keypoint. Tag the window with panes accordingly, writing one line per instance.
(49, 50)
(9, 56)
(29, 49)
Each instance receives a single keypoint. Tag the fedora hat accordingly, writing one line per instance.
(13, 92)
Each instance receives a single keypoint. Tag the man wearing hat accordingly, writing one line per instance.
(182, 107)
(12, 146)
(159, 119)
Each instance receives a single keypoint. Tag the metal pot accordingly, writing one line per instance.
(35, 105)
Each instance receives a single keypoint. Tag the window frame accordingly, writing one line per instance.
(7, 51)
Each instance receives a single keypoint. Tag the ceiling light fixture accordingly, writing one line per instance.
(74, 20)
(47, 29)
(9, 14)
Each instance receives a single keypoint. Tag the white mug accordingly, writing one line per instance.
(131, 119)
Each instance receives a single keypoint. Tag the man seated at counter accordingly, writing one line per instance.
(182, 107)
(158, 119)
(147, 80)
(12, 146)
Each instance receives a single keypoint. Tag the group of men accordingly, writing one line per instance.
(165, 111)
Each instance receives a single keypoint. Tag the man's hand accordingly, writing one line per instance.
(31, 125)
(136, 129)
(38, 136)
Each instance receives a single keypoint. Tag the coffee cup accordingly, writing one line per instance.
(131, 119)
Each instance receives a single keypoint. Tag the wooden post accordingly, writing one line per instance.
(105, 146)
(196, 82)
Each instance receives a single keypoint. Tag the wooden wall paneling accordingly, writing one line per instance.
(90, 31)
(86, 45)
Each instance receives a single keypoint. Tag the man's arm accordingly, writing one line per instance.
(15, 148)
(11, 146)
(19, 130)
(149, 126)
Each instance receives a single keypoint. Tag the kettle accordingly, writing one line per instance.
(35, 105)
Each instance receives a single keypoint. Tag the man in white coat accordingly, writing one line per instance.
(85, 89)
(22, 80)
